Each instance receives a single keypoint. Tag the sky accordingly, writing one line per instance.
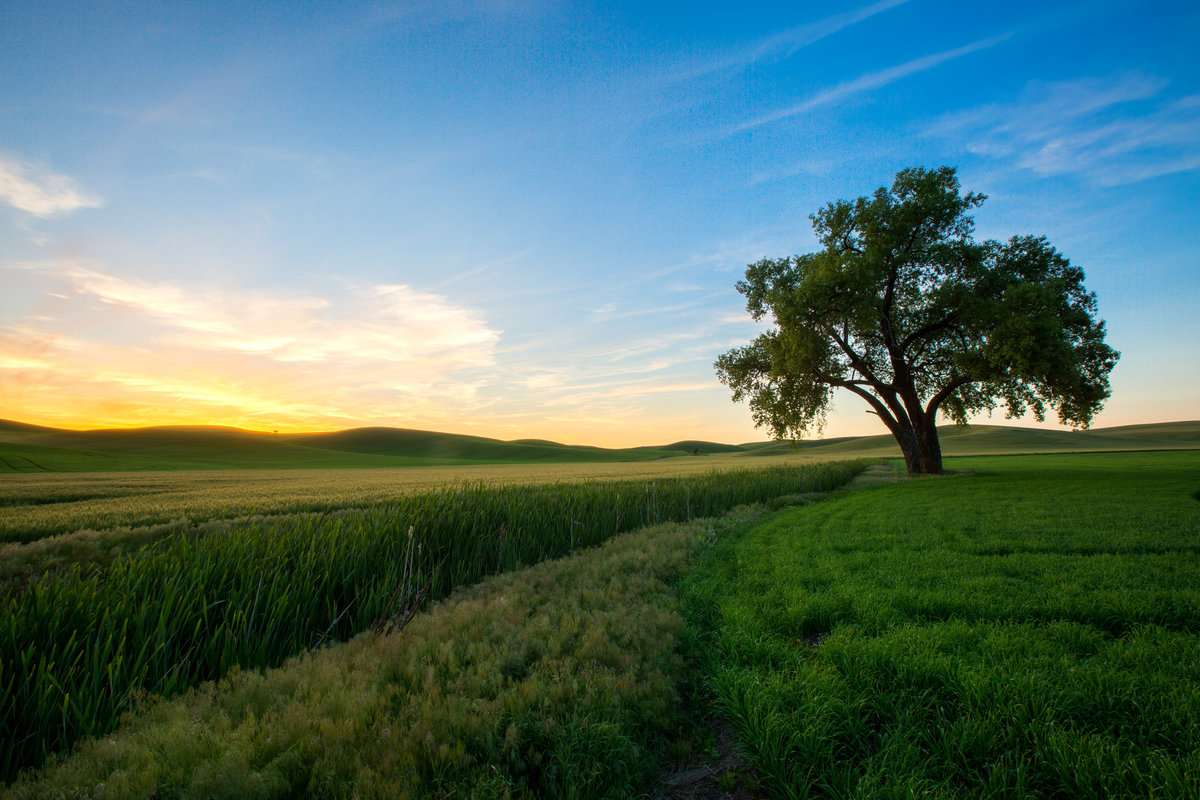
(525, 219)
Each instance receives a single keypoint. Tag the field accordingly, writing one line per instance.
(559, 681)
(43, 502)
(37, 505)
(1023, 627)
(34, 450)
(86, 637)
(1027, 628)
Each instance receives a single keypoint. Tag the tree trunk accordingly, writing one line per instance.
(931, 449)
(907, 439)
(921, 448)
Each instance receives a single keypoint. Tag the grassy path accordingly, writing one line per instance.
(1031, 630)
(557, 681)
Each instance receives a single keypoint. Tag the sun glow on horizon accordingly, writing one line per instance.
(111, 352)
(114, 352)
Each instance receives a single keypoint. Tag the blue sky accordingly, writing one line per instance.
(525, 219)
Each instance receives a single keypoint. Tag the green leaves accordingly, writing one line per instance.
(905, 309)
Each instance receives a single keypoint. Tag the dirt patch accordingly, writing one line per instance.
(726, 775)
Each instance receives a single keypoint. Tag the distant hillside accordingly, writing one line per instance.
(33, 448)
(460, 448)
(707, 448)
(1003, 440)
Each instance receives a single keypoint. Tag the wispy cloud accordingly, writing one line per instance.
(873, 80)
(227, 86)
(39, 191)
(612, 311)
(786, 42)
(385, 353)
(727, 255)
(384, 322)
(1116, 130)
(109, 349)
(490, 265)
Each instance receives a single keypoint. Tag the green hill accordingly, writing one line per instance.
(1006, 440)
(451, 447)
(33, 448)
(707, 448)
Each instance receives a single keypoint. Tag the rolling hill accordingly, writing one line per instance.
(33, 448)
(1006, 440)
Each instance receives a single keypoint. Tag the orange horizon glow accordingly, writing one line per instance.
(140, 354)
(587, 433)
(564, 435)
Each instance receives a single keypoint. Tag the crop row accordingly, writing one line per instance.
(78, 648)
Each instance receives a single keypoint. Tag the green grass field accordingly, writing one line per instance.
(86, 490)
(1023, 627)
(41, 504)
(1010, 440)
(557, 681)
(1029, 627)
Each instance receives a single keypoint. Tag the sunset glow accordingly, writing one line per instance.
(525, 220)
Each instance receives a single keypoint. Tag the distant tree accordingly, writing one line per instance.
(904, 309)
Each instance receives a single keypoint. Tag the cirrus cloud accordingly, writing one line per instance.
(39, 191)
(1115, 130)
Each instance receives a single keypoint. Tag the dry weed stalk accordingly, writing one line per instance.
(406, 599)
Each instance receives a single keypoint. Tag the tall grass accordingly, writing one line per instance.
(557, 681)
(78, 647)
(34, 506)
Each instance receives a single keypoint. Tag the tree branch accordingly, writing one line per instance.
(946, 391)
(889, 293)
(880, 409)
(856, 360)
(925, 330)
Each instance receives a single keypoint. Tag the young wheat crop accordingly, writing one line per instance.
(78, 647)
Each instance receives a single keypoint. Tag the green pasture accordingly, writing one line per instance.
(70, 515)
(1012, 440)
(562, 680)
(1028, 626)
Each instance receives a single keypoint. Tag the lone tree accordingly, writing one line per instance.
(904, 309)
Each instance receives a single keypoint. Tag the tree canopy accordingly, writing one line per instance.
(904, 309)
